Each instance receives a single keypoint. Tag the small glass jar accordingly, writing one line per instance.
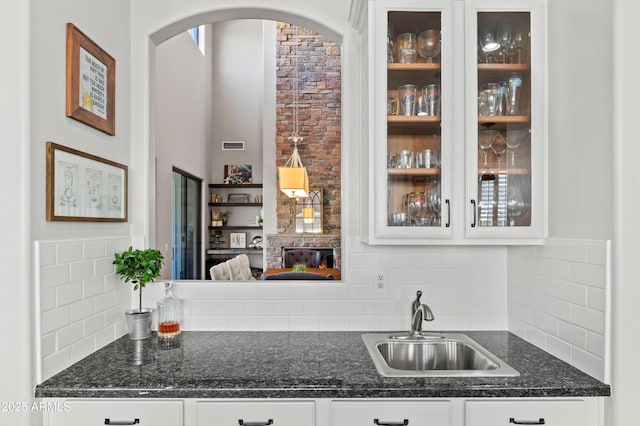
(169, 314)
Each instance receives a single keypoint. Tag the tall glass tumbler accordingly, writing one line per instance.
(407, 95)
(406, 47)
(513, 90)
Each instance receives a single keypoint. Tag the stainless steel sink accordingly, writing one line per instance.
(433, 355)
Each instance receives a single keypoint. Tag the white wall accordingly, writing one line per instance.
(17, 364)
(580, 119)
(237, 56)
(183, 87)
(109, 28)
(623, 407)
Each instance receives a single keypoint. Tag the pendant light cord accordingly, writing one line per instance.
(295, 136)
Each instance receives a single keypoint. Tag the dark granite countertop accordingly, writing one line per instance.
(323, 364)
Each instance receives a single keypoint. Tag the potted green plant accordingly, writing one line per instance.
(139, 267)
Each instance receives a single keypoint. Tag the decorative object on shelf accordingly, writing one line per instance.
(256, 243)
(237, 240)
(238, 198)
(169, 314)
(91, 82)
(140, 267)
(293, 178)
(85, 188)
(237, 174)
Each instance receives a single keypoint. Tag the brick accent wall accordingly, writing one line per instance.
(319, 68)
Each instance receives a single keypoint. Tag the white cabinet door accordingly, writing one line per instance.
(505, 119)
(545, 412)
(391, 413)
(120, 412)
(255, 413)
(411, 115)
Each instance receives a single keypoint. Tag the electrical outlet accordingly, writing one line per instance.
(380, 280)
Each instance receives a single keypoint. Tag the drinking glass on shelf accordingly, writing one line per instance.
(520, 41)
(514, 140)
(488, 41)
(513, 89)
(499, 147)
(485, 141)
(406, 48)
(429, 44)
(504, 37)
(515, 204)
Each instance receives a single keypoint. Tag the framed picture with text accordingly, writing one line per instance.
(91, 82)
(84, 188)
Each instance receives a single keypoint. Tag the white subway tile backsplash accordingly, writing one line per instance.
(82, 309)
(68, 335)
(68, 293)
(54, 319)
(94, 249)
(565, 309)
(93, 286)
(51, 276)
(77, 314)
(82, 270)
(68, 252)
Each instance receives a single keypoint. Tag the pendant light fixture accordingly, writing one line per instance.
(292, 177)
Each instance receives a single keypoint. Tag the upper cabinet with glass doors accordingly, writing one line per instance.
(505, 120)
(457, 117)
(412, 117)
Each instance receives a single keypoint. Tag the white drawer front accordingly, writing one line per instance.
(298, 413)
(391, 413)
(147, 413)
(512, 413)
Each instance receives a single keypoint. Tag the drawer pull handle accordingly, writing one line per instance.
(121, 422)
(540, 421)
(243, 423)
(405, 422)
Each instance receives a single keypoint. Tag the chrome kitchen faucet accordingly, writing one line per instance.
(419, 312)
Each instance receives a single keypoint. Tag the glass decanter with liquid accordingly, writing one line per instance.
(169, 314)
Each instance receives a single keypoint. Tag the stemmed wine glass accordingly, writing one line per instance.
(429, 44)
(514, 140)
(504, 37)
(485, 141)
(520, 41)
(499, 147)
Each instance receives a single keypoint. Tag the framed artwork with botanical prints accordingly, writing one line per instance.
(83, 187)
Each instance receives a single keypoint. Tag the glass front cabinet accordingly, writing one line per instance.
(458, 118)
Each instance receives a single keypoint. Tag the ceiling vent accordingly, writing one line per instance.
(233, 145)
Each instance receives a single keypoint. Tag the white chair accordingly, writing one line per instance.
(240, 268)
(220, 272)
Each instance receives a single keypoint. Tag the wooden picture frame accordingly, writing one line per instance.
(84, 188)
(91, 82)
(238, 240)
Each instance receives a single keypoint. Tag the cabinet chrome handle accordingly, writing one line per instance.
(448, 224)
(121, 422)
(405, 422)
(540, 421)
(475, 214)
(241, 422)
